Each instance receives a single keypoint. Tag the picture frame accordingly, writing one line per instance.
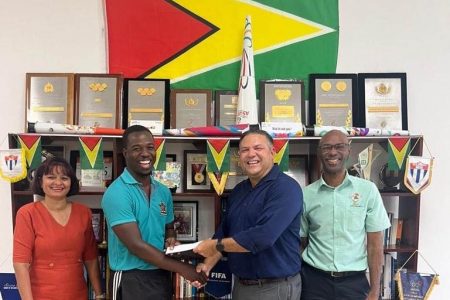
(49, 97)
(282, 101)
(195, 177)
(146, 102)
(190, 108)
(171, 177)
(98, 223)
(333, 100)
(236, 173)
(383, 99)
(98, 100)
(299, 169)
(74, 160)
(225, 104)
(186, 220)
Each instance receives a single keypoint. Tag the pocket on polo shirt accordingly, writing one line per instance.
(355, 218)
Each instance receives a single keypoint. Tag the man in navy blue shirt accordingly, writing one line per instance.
(260, 230)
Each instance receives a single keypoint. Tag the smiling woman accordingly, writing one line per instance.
(54, 239)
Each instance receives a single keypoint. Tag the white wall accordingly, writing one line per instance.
(376, 36)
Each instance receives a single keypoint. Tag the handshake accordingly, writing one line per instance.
(196, 275)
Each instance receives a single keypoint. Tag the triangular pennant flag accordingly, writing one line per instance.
(13, 166)
(218, 155)
(91, 152)
(160, 160)
(31, 144)
(281, 154)
(412, 285)
(247, 107)
(418, 173)
(218, 181)
(398, 147)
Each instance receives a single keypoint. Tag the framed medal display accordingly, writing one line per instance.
(383, 100)
(195, 176)
(333, 100)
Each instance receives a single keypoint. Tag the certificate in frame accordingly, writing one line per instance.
(299, 169)
(282, 101)
(225, 107)
(190, 108)
(333, 100)
(383, 100)
(97, 100)
(49, 98)
(146, 101)
(185, 220)
(195, 176)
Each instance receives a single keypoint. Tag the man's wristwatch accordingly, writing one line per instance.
(219, 246)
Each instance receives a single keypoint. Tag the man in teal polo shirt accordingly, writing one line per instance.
(139, 214)
(340, 213)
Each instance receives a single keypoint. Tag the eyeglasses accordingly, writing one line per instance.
(338, 147)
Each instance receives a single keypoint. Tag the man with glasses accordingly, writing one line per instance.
(341, 212)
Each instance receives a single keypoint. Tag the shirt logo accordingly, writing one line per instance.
(355, 199)
(162, 209)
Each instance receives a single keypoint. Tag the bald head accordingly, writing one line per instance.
(332, 135)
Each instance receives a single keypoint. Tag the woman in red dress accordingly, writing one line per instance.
(54, 239)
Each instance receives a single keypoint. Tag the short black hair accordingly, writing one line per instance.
(259, 132)
(133, 129)
(47, 167)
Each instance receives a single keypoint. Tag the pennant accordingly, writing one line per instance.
(398, 147)
(220, 280)
(13, 165)
(418, 173)
(246, 107)
(91, 152)
(218, 155)
(412, 285)
(31, 144)
(281, 154)
(218, 166)
(160, 160)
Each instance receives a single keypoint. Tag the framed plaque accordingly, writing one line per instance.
(383, 100)
(333, 100)
(298, 169)
(190, 108)
(282, 101)
(236, 173)
(225, 107)
(185, 220)
(146, 102)
(97, 224)
(49, 98)
(195, 177)
(97, 100)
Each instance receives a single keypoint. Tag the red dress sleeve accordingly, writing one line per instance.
(24, 235)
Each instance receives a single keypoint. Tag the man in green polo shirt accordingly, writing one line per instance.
(340, 213)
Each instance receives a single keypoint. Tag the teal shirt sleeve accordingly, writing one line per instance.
(117, 207)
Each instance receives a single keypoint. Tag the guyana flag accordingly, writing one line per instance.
(198, 44)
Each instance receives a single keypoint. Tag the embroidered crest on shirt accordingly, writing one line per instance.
(355, 199)
(163, 209)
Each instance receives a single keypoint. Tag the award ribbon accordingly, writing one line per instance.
(281, 156)
(13, 166)
(218, 166)
(397, 149)
(160, 160)
(31, 144)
